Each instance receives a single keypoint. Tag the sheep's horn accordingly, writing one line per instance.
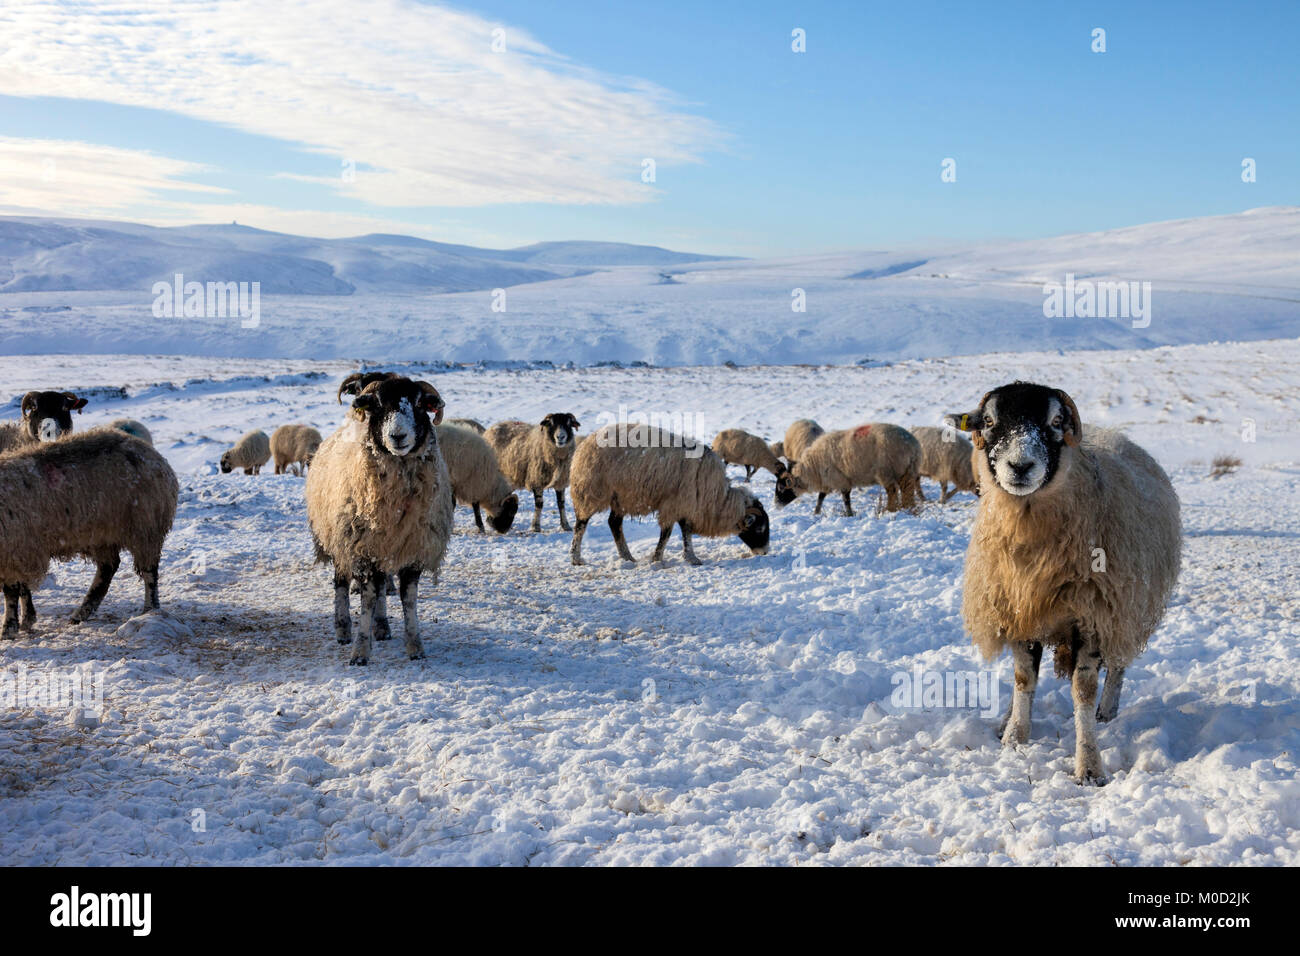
(1074, 434)
(437, 406)
(29, 403)
(349, 386)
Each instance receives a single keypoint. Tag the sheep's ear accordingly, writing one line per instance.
(72, 403)
(574, 423)
(431, 401)
(364, 405)
(29, 403)
(971, 422)
(549, 420)
(1073, 431)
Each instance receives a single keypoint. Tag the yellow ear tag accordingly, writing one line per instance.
(965, 423)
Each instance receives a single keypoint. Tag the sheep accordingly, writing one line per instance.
(1076, 543)
(46, 416)
(292, 447)
(379, 502)
(799, 436)
(133, 428)
(637, 469)
(876, 454)
(68, 498)
(537, 457)
(945, 457)
(476, 478)
(467, 423)
(250, 453)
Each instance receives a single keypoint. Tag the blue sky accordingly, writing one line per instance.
(758, 150)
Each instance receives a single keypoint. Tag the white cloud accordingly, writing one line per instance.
(414, 94)
(42, 176)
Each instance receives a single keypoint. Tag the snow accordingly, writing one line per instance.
(386, 298)
(741, 712)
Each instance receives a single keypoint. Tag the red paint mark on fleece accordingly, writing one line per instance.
(862, 431)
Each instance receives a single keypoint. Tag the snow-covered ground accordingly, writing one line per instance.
(739, 712)
(1224, 277)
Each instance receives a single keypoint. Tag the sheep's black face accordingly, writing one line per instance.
(225, 463)
(505, 515)
(48, 415)
(561, 428)
(398, 413)
(1020, 429)
(785, 489)
(754, 529)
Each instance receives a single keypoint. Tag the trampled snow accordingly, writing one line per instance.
(744, 711)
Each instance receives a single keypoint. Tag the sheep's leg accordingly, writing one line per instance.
(945, 494)
(342, 613)
(749, 472)
(559, 506)
(1025, 658)
(537, 510)
(150, 578)
(1087, 666)
(382, 631)
(664, 534)
(820, 498)
(28, 610)
(478, 518)
(1109, 705)
(616, 529)
(408, 580)
(848, 502)
(575, 549)
(9, 630)
(369, 583)
(688, 551)
(99, 587)
(893, 497)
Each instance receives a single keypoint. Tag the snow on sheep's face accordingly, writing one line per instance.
(397, 412)
(561, 428)
(1020, 430)
(48, 415)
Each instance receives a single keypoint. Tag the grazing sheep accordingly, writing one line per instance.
(945, 457)
(379, 502)
(293, 446)
(537, 457)
(133, 428)
(249, 453)
(876, 454)
(46, 416)
(799, 436)
(65, 499)
(1076, 543)
(476, 478)
(467, 423)
(637, 470)
(738, 447)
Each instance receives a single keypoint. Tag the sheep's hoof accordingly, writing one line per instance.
(417, 656)
(577, 561)
(27, 623)
(565, 526)
(382, 630)
(344, 639)
(1105, 716)
(79, 617)
(10, 633)
(535, 527)
(1014, 736)
(1091, 778)
(358, 661)
(693, 560)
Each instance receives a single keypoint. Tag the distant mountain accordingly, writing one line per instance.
(61, 255)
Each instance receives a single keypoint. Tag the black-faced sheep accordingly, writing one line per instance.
(250, 453)
(379, 502)
(46, 416)
(945, 458)
(876, 454)
(638, 470)
(293, 446)
(91, 495)
(537, 457)
(1076, 543)
(476, 478)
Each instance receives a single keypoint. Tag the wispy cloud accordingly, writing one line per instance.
(71, 178)
(414, 95)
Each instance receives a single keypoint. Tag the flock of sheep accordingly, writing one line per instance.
(1076, 542)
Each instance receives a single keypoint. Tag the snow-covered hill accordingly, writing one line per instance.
(1212, 279)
